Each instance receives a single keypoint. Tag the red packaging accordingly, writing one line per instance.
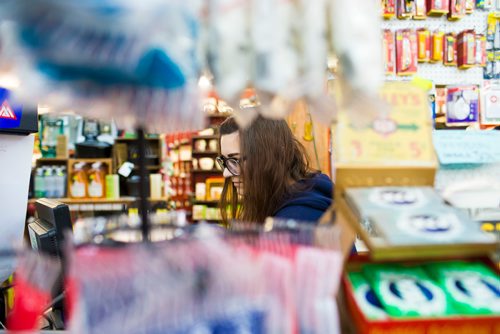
(437, 7)
(420, 10)
(437, 46)
(424, 45)
(406, 9)
(450, 50)
(406, 52)
(388, 9)
(481, 50)
(389, 49)
(466, 49)
(457, 10)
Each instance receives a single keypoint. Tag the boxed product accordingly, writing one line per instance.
(388, 9)
(406, 52)
(466, 49)
(420, 10)
(437, 7)
(406, 291)
(450, 50)
(389, 49)
(424, 45)
(437, 46)
(457, 9)
(484, 4)
(481, 50)
(490, 108)
(462, 105)
(472, 288)
(405, 9)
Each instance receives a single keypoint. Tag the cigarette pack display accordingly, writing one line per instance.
(389, 49)
(462, 105)
(437, 7)
(472, 288)
(424, 45)
(466, 49)
(406, 52)
(450, 50)
(437, 46)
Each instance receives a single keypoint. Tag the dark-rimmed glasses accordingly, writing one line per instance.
(232, 164)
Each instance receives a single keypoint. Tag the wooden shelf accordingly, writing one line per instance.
(135, 139)
(205, 137)
(205, 202)
(90, 200)
(155, 167)
(205, 152)
(206, 171)
(49, 160)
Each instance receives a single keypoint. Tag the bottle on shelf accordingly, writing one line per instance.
(60, 182)
(39, 183)
(97, 181)
(49, 182)
(79, 185)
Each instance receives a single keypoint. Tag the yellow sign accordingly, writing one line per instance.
(402, 137)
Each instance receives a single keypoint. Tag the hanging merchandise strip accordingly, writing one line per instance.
(438, 73)
(280, 278)
(139, 61)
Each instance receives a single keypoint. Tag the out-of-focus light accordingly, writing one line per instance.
(9, 81)
(43, 109)
(204, 83)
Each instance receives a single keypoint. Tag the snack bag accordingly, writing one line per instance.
(406, 291)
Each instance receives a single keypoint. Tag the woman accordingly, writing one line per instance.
(267, 173)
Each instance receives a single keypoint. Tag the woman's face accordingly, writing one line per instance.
(230, 148)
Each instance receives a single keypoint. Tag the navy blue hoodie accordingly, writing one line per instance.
(310, 201)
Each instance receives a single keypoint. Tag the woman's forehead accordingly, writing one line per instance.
(230, 144)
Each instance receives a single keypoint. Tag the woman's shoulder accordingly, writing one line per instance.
(310, 200)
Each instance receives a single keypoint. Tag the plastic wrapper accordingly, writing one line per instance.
(135, 61)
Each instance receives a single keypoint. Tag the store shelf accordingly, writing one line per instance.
(219, 115)
(205, 152)
(205, 137)
(205, 202)
(155, 167)
(206, 171)
(135, 139)
(49, 160)
(68, 200)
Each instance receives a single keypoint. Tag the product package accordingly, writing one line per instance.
(481, 50)
(420, 10)
(365, 297)
(473, 288)
(470, 5)
(466, 49)
(484, 4)
(424, 45)
(457, 10)
(462, 105)
(405, 8)
(435, 224)
(450, 50)
(389, 49)
(406, 291)
(437, 7)
(406, 52)
(437, 46)
(388, 9)
(490, 108)
(441, 95)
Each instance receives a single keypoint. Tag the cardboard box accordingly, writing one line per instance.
(437, 7)
(406, 52)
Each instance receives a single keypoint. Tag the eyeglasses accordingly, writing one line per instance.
(232, 164)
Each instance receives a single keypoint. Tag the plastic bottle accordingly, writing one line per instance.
(97, 181)
(39, 183)
(59, 182)
(78, 186)
(49, 182)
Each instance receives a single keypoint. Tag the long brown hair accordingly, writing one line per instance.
(274, 161)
